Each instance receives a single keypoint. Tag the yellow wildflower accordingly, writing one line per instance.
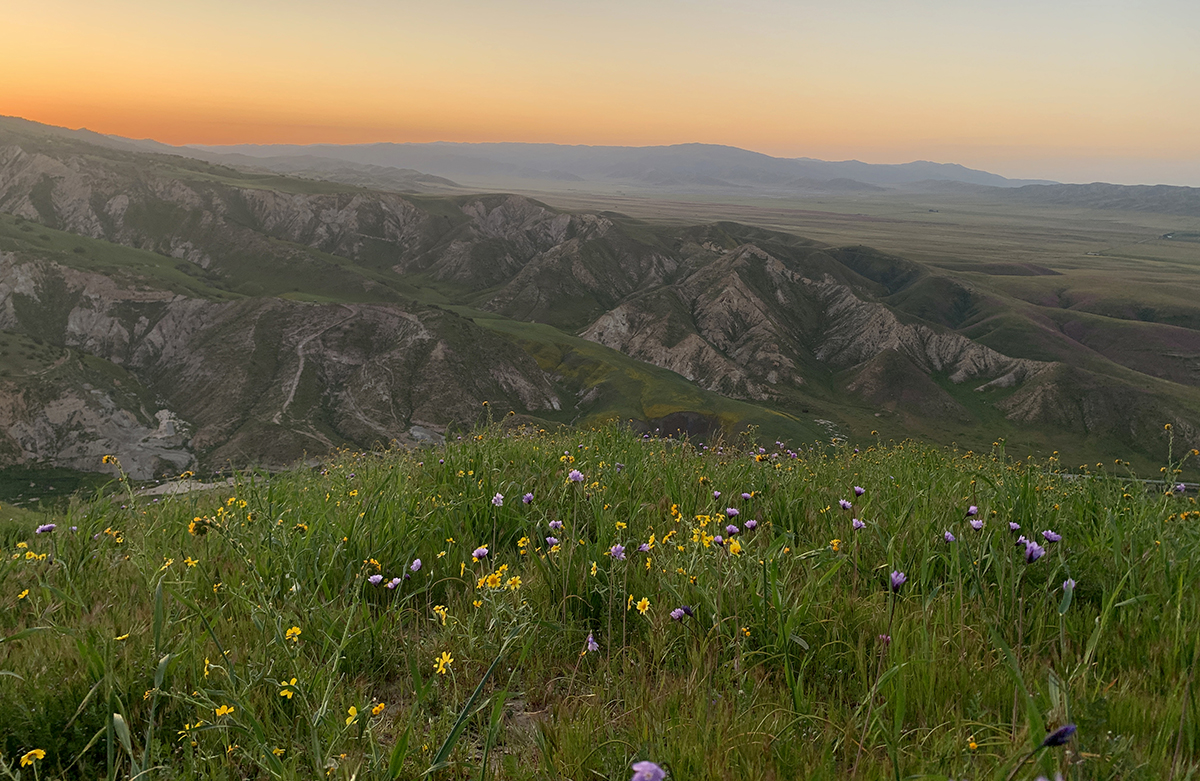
(442, 661)
(378, 709)
(353, 717)
(33, 756)
(643, 605)
(23, 594)
(190, 561)
(224, 710)
(293, 634)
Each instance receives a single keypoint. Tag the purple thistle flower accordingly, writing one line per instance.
(415, 566)
(719, 540)
(687, 611)
(1059, 736)
(647, 771)
(1013, 526)
(731, 530)
(1069, 584)
(480, 552)
(498, 500)
(745, 495)
(751, 525)
(394, 582)
(575, 476)
(1051, 536)
(859, 490)
(551, 541)
(731, 512)
(976, 524)
(527, 498)
(950, 537)
(716, 494)
(592, 645)
(375, 579)
(972, 510)
(45, 528)
(677, 614)
(898, 579)
(845, 505)
(644, 547)
(856, 524)
(617, 552)
(1033, 552)
(556, 524)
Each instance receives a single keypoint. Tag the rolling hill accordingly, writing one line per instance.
(246, 316)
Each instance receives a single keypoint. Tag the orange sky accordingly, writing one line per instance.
(1069, 90)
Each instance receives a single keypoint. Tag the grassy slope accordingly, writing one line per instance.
(773, 667)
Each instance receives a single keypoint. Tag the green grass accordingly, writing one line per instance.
(238, 634)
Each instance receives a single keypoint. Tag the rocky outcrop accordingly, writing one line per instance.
(259, 380)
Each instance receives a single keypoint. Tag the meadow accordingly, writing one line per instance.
(532, 604)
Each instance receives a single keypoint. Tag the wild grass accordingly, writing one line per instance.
(254, 634)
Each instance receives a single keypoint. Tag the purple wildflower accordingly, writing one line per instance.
(950, 537)
(45, 528)
(617, 552)
(677, 614)
(1180, 488)
(647, 771)
(885, 639)
(551, 541)
(592, 645)
(1022, 541)
(498, 500)
(1033, 552)
(619, 466)
(731, 530)
(856, 524)
(716, 494)
(375, 579)
(745, 495)
(845, 505)
(751, 524)
(575, 476)
(644, 547)
(719, 540)
(527, 498)
(859, 490)
(731, 512)
(415, 566)
(1013, 526)
(1069, 584)
(976, 524)
(1059, 736)
(441, 460)
(898, 579)
(480, 552)
(1051, 536)
(556, 524)
(74, 528)
(394, 582)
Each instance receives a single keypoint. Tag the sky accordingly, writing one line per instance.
(1059, 89)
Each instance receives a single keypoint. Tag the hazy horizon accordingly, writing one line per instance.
(1072, 92)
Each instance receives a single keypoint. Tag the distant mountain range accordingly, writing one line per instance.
(704, 165)
(177, 311)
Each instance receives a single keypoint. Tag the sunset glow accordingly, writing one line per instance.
(1070, 91)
